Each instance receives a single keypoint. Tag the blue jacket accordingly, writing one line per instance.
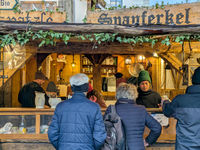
(135, 118)
(186, 109)
(77, 124)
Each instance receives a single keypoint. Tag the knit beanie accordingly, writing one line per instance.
(40, 75)
(90, 87)
(196, 76)
(51, 87)
(118, 75)
(143, 76)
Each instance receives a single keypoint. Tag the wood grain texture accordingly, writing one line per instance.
(176, 12)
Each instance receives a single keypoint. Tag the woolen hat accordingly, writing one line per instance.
(51, 87)
(90, 87)
(143, 76)
(196, 76)
(118, 75)
(40, 75)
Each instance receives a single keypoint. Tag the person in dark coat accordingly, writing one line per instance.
(147, 97)
(135, 117)
(51, 90)
(77, 123)
(120, 79)
(186, 109)
(26, 96)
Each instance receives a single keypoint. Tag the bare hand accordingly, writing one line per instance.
(145, 143)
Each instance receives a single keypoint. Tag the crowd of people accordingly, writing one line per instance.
(77, 123)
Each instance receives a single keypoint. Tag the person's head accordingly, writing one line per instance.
(40, 78)
(144, 80)
(94, 95)
(196, 77)
(125, 90)
(118, 75)
(51, 90)
(79, 83)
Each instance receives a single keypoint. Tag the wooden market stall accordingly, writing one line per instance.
(108, 33)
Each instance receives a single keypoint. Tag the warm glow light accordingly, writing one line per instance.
(143, 57)
(155, 55)
(140, 57)
(162, 61)
(73, 64)
(128, 60)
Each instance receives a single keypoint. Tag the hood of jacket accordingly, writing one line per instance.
(193, 89)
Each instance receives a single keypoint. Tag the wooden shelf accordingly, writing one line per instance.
(103, 66)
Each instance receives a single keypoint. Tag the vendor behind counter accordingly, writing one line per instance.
(26, 96)
(146, 96)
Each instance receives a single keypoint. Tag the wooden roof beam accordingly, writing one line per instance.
(173, 61)
(101, 28)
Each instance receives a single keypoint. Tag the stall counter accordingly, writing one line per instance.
(168, 132)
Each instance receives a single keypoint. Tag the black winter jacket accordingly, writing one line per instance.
(150, 98)
(186, 109)
(135, 118)
(26, 96)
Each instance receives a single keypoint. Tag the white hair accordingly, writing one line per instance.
(125, 90)
(78, 79)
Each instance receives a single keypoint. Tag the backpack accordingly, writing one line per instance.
(116, 132)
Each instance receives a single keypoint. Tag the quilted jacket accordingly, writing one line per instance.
(135, 118)
(77, 124)
(186, 109)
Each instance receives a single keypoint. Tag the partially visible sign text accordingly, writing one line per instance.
(32, 16)
(182, 14)
(7, 4)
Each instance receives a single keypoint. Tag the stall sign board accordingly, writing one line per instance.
(180, 14)
(37, 16)
(7, 4)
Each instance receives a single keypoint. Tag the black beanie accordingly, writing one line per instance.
(118, 75)
(51, 87)
(196, 76)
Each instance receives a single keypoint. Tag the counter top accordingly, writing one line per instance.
(168, 133)
(26, 110)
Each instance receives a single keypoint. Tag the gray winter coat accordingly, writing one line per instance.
(186, 109)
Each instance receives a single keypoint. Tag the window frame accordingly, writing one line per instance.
(115, 1)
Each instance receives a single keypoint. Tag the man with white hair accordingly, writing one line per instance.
(77, 123)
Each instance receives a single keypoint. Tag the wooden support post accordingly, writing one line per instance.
(96, 60)
(37, 124)
(97, 77)
(155, 74)
(16, 85)
(30, 73)
(53, 68)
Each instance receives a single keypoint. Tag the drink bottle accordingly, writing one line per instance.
(22, 125)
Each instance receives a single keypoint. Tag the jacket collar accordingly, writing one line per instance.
(78, 95)
(193, 89)
(124, 100)
(142, 93)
